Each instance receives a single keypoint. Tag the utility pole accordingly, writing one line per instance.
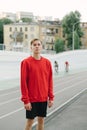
(73, 44)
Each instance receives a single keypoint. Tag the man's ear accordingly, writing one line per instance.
(30, 47)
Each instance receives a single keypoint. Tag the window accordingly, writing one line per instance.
(21, 29)
(56, 30)
(26, 36)
(44, 30)
(63, 34)
(15, 28)
(10, 29)
(26, 29)
(10, 36)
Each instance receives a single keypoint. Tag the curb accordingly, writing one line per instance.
(59, 109)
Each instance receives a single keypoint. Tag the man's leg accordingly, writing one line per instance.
(29, 124)
(40, 125)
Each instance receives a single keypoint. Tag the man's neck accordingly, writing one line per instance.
(37, 57)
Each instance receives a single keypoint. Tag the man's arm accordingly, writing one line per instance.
(50, 90)
(23, 83)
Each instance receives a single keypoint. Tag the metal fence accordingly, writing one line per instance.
(13, 48)
(4, 47)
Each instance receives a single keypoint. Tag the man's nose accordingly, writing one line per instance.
(37, 45)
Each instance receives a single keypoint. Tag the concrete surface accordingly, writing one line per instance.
(74, 117)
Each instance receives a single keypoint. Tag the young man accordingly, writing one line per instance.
(36, 86)
(66, 66)
(56, 66)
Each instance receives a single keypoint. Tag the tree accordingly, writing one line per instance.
(27, 20)
(59, 45)
(67, 23)
(2, 22)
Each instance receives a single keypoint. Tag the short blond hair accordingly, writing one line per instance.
(35, 39)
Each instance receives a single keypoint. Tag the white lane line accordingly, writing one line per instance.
(55, 93)
(71, 86)
(9, 93)
(65, 103)
(69, 80)
(48, 113)
(1, 117)
(55, 86)
(68, 77)
(8, 101)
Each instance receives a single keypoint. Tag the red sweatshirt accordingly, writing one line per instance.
(36, 80)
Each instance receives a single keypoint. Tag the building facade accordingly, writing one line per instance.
(9, 15)
(84, 38)
(19, 35)
(20, 15)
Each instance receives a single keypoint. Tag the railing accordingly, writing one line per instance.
(13, 48)
(4, 47)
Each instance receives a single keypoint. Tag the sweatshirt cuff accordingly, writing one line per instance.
(26, 102)
(51, 99)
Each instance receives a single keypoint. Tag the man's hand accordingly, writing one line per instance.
(50, 103)
(28, 106)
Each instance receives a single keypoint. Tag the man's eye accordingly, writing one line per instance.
(38, 44)
(34, 44)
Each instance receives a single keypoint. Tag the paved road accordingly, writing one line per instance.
(74, 117)
(12, 114)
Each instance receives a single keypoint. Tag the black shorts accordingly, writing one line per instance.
(38, 109)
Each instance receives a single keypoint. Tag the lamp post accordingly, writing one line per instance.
(73, 35)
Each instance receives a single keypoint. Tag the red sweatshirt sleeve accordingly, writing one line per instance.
(23, 82)
(50, 90)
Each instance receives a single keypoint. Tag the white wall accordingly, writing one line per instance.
(10, 62)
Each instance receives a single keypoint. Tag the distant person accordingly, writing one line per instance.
(56, 66)
(66, 66)
(36, 86)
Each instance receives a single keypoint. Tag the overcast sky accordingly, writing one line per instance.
(54, 8)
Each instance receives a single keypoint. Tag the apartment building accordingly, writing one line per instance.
(19, 35)
(16, 16)
(84, 38)
(9, 15)
(21, 14)
(49, 31)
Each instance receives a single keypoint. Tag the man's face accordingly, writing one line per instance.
(36, 47)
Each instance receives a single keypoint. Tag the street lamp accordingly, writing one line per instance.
(73, 34)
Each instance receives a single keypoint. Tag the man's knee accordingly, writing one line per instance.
(30, 122)
(40, 120)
